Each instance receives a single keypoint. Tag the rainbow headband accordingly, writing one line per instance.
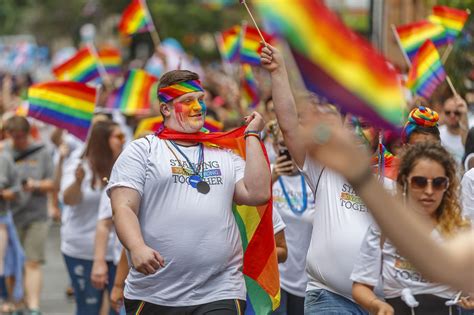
(171, 92)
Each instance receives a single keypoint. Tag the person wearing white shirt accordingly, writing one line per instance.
(454, 132)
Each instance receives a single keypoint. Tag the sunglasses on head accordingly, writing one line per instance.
(449, 112)
(420, 182)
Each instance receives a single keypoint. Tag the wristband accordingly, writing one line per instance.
(361, 179)
(252, 133)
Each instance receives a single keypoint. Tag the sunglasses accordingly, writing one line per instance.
(449, 112)
(437, 183)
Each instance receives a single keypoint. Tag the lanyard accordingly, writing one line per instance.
(200, 164)
(288, 200)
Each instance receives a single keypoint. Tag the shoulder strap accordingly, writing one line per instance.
(27, 153)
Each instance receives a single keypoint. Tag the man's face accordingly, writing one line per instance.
(188, 112)
(366, 133)
(451, 113)
(19, 140)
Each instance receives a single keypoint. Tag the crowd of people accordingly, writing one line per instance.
(147, 224)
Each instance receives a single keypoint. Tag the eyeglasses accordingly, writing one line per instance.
(449, 112)
(437, 183)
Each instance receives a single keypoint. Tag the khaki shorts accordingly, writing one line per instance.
(33, 239)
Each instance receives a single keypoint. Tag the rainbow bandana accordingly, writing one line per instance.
(171, 92)
(419, 117)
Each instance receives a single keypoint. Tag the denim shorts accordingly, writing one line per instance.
(324, 302)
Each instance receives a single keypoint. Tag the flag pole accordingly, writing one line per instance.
(446, 53)
(100, 67)
(451, 86)
(153, 32)
(397, 38)
(254, 22)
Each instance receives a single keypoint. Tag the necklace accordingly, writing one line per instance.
(288, 200)
(195, 180)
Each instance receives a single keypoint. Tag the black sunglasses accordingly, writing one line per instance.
(449, 112)
(420, 182)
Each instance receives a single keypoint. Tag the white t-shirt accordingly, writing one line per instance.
(196, 234)
(298, 230)
(339, 226)
(467, 194)
(79, 221)
(452, 143)
(395, 271)
(105, 212)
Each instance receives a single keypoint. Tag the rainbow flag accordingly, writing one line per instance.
(335, 62)
(256, 230)
(251, 48)
(426, 72)
(153, 124)
(228, 43)
(67, 105)
(134, 96)
(412, 36)
(384, 163)
(452, 20)
(82, 67)
(135, 19)
(249, 87)
(111, 60)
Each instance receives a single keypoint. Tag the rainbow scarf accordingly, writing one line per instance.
(260, 266)
(153, 124)
(171, 92)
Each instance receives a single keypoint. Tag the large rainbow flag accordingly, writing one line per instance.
(427, 71)
(135, 19)
(251, 47)
(249, 87)
(413, 35)
(256, 230)
(111, 60)
(134, 96)
(67, 105)
(153, 124)
(228, 43)
(335, 62)
(452, 20)
(82, 67)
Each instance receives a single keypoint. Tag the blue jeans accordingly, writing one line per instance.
(290, 304)
(323, 302)
(88, 299)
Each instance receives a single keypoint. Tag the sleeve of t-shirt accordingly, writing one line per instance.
(368, 266)
(311, 172)
(467, 195)
(130, 168)
(105, 208)
(239, 166)
(278, 224)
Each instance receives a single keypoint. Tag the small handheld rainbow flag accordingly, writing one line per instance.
(249, 87)
(110, 58)
(251, 47)
(134, 96)
(67, 105)
(82, 67)
(453, 20)
(335, 62)
(228, 43)
(412, 36)
(135, 19)
(426, 72)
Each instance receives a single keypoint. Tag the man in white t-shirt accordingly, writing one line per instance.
(454, 132)
(172, 204)
(341, 218)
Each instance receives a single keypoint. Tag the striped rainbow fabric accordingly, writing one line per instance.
(228, 43)
(134, 96)
(412, 36)
(67, 105)
(135, 19)
(251, 48)
(335, 62)
(82, 67)
(249, 87)
(153, 124)
(256, 230)
(111, 60)
(427, 71)
(451, 19)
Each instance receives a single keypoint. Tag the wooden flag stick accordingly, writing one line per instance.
(446, 53)
(397, 38)
(153, 32)
(451, 86)
(100, 66)
(254, 22)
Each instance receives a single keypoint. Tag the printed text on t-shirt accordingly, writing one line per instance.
(350, 200)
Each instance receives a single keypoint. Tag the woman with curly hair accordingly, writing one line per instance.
(429, 185)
